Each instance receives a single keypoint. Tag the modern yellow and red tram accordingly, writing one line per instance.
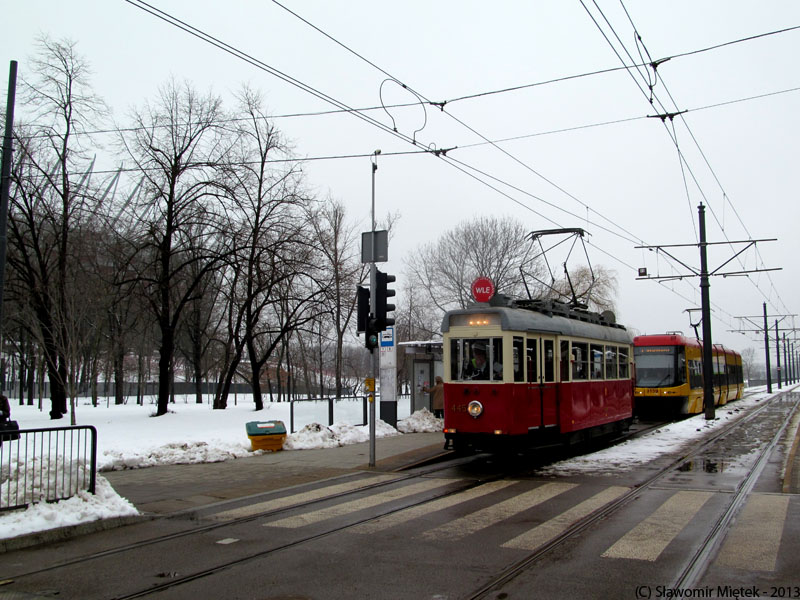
(669, 374)
(531, 373)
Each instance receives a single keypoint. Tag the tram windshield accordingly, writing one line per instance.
(659, 366)
(476, 359)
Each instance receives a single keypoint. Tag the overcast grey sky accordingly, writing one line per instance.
(587, 152)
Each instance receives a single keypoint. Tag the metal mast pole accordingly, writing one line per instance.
(778, 353)
(372, 310)
(787, 371)
(766, 350)
(5, 184)
(708, 371)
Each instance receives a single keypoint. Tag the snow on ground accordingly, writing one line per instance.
(665, 440)
(128, 437)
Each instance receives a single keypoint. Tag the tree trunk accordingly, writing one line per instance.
(166, 349)
(119, 377)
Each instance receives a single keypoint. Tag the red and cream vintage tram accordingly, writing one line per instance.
(527, 373)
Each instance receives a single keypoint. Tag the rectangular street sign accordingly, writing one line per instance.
(381, 246)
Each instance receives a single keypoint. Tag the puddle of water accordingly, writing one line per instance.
(705, 465)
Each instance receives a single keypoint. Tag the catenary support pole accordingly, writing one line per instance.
(778, 353)
(766, 351)
(708, 370)
(5, 183)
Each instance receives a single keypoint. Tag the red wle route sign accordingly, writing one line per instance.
(482, 289)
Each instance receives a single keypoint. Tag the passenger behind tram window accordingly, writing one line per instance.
(478, 367)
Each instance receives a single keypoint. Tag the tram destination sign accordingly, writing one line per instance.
(482, 289)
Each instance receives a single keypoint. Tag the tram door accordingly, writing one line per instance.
(541, 358)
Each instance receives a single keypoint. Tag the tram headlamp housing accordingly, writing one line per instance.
(475, 409)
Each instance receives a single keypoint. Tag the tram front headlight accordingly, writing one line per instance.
(475, 409)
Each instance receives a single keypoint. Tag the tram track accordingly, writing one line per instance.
(421, 469)
(700, 560)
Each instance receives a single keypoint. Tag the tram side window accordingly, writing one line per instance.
(611, 362)
(719, 370)
(580, 361)
(496, 359)
(549, 357)
(564, 360)
(519, 352)
(456, 359)
(680, 375)
(597, 361)
(695, 373)
(624, 362)
(531, 359)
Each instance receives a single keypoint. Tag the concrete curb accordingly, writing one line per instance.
(59, 534)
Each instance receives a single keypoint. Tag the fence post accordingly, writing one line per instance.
(366, 419)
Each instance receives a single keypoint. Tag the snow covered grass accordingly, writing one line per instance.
(129, 437)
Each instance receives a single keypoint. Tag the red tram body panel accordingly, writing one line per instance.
(532, 373)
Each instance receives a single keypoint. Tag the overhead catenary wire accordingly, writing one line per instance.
(449, 159)
(255, 62)
(462, 123)
(654, 98)
(311, 90)
(174, 21)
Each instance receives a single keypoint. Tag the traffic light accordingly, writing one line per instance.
(365, 324)
(371, 336)
(381, 306)
(362, 316)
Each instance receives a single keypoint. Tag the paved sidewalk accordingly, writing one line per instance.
(168, 489)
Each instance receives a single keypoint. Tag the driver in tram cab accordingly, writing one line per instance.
(478, 366)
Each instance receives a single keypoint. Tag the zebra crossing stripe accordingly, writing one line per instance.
(754, 541)
(540, 535)
(486, 517)
(347, 508)
(318, 494)
(420, 510)
(649, 538)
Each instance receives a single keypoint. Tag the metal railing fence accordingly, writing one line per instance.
(349, 408)
(46, 465)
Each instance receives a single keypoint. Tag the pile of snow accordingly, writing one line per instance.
(315, 435)
(421, 421)
(81, 508)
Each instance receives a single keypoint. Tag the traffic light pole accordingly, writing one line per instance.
(372, 309)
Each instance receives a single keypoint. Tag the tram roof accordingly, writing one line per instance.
(528, 320)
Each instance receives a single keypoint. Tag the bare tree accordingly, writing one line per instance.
(271, 260)
(595, 287)
(486, 246)
(50, 202)
(179, 147)
(748, 362)
(339, 249)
